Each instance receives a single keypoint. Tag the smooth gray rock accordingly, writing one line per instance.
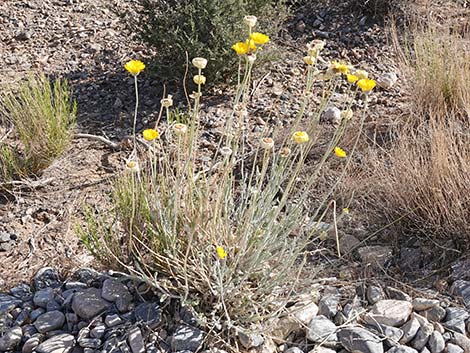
(435, 314)
(31, 344)
(402, 349)
(328, 305)
(397, 294)
(420, 304)
(422, 337)
(291, 350)
(410, 329)
(8, 303)
(453, 348)
(358, 339)
(321, 328)
(88, 303)
(89, 342)
(461, 288)
(393, 334)
(22, 291)
(389, 312)
(374, 294)
(43, 296)
(436, 342)
(46, 277)
(112, 320)
(148, 313)
(52, 320)
(136, 341)
(98, 331)
(461, 340)
(11, 339)
(62, 343)
(186, 338)
(455, 319)
(115, 291)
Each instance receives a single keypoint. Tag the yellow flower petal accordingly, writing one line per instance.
(150, 134)
(134, 67)
(259, 38)
(340, 152)
(300, 137)
(241, 48)
(199, 79)
(352, 78)
(366, 85)
(221, 253)
(339, 67)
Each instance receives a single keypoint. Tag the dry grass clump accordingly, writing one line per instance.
(41, 115)
(227, 236)
(424, 177)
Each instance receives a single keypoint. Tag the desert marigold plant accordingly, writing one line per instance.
(220, 234)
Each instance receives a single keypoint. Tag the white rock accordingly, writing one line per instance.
(389, 312)
(387, 80)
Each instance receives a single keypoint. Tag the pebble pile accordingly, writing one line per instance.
(95, 312)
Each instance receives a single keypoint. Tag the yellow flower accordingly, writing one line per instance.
(200, 63)
(221, 253)
(267, 143)
(134, 67)
(361, 74)
(352, 78)
(199, 79)
(346, 210)
(366, 85)
(132, 166)
(300, 137)
(339, 68)
(259, 38)
(251, 44)
(241, 48)
(340, 152)
(150, 134)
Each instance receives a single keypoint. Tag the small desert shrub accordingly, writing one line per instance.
(423, 178)
(200, 28)
(42, 116)
(228, 236)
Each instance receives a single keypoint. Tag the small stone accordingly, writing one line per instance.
(11, 339)
(422, 337)
(43, 296)
(31, 344)
(392, 334)
(425, 350)
(186, 338)
(52, 320)
(358, 339)
(250, 340)
(88, 303)
(62, 343)
(453, 348)
(332, 115)
(321, 328)
(436, 342)
(294, 350)
(375, 255)
(402, 349)
(8, 303)
(89, 342)
(322, 349)
(421, 304)
(410, 329)
(439, 328)
(387, 80)
(461, 288)
(112, 320)
(389, 312)
(98, 331)
(455, 319)
(113, 290)
(71, 317)
(148, 313)
(397, 294)
(46, 277)
(22, 291)
(300, 26)
(435, 314)
(461, 340)
(328, 305)
(374, 294)
(136, 341)
(347, 243)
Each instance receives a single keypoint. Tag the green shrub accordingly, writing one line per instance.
(42, 116)
(204, 28)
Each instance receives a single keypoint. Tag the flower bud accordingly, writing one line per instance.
(167, 102)
(132, 166)
(300, 137)
(200, 63)
(199, 79)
